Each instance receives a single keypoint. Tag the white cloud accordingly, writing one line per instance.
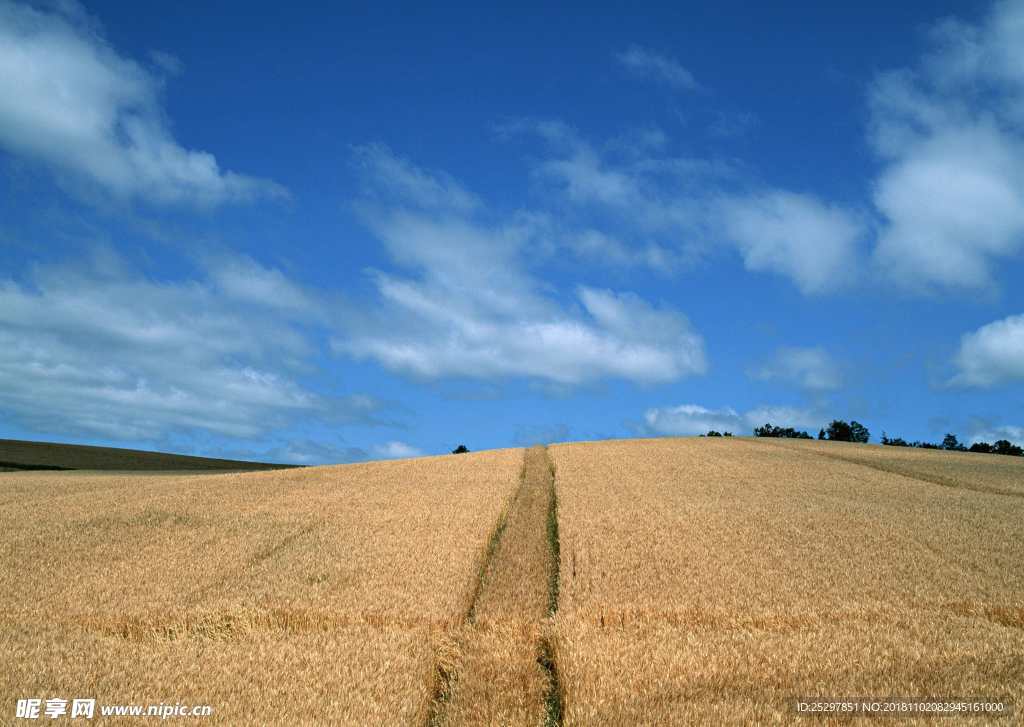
(1010, 433)
(952, 191)
(644, 62)
(431, 334)
(682, 201)
(471, 308)
(785, 416)
(242, 279)
(991, 355)
(655, 192)
(401, 179)
(395, 450)
(587, 180)
(812, 369)
(594, 245)
(796, 235)
(101, 350)
(693, 419)
(69, 100)
(950, 197)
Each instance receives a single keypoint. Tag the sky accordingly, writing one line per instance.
(320, 232)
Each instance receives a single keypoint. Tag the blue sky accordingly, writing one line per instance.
(319, 233)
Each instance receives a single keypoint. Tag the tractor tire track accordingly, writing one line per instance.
(498, 666)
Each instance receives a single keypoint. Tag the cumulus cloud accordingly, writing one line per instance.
(950, 133)
(471, 308)
(683, 205)
(991, 355)
(647, 63)
(395, 450)
(812, 369)
(430, 334)
(70, 101)
(693, 419)
(796, 235)
(995, 433)
(101, 350)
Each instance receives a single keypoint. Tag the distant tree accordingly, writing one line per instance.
(713, 433)
(894, 442)
(839, 431)
(461, 449)
(779, 432)
(821, 434)
(982, 447)
(1003, 446)
(726, 434)
(951, 443)
(927, 445)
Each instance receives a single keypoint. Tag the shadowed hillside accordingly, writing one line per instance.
(19, 455)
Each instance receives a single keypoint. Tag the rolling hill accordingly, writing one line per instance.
(22, 455)
(664, 581)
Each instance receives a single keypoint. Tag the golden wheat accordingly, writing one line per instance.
(966, 470)
(315, 595)
(701, 581)
(716, 580)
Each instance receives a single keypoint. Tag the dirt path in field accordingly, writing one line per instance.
(497, 669)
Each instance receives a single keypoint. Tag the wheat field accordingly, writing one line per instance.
(669, 581)
(710, 581)
(288, 597)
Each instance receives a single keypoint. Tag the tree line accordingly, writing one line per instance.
(950, 443)
(838, 431)
(854, 431)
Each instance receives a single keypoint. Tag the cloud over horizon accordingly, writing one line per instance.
(396, 450)
(694, 419)
(97, 348)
